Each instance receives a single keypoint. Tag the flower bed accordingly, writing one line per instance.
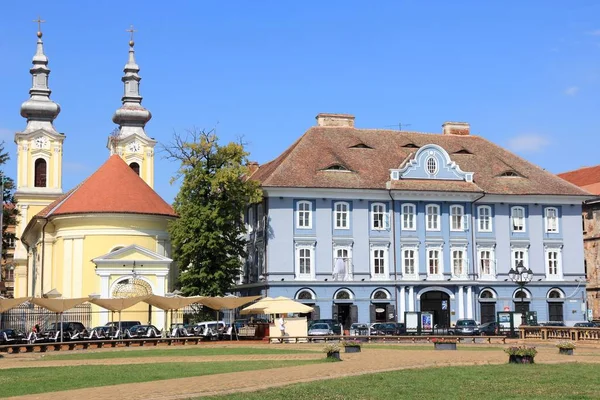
(566, 347)
(521, 354)
(351, 346)
(332, 351)
(444, 343)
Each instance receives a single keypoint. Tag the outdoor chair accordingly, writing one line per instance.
(184, 332)
(116, 335)
(54, 338)
(32, 337)
(175, 332)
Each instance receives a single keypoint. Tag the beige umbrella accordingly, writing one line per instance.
(7, 304)
(119, 304)
(227, 303)
(279, 305)
(257, 307)
(59, 306)
(171, 303)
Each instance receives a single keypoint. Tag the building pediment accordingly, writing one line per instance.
(133, 253)
(431, 162)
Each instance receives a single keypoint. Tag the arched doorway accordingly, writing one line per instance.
(133, 287)
(343, 310)
(522, 299)
(437, 303)
(381, 309)
(556, 299)
(308, 297)
(487, 304)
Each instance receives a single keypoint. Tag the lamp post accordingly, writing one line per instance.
(521, 275)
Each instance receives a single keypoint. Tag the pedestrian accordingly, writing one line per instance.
(281, 323)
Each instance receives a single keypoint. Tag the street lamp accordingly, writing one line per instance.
(521, 275)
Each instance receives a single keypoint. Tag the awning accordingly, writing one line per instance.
(117, 304)
(58, 305)
(172, 303)
(7, 304)
(227, 303)
(279, 305)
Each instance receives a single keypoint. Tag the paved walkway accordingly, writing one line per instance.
(368, 361)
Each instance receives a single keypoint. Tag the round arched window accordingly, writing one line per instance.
(380, 295)
(131, 287)
(342, 295)
(521, 294)
(305, 295)
(554, 294)
(486, 294)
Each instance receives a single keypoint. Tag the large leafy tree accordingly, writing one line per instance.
(207, 238)
(9, 211)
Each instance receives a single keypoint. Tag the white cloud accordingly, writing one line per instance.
(571, 90)
(528, 143)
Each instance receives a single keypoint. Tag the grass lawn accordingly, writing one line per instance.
(180, 351)
(490, 382)
(21, 381)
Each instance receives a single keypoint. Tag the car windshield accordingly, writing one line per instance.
(467, 322)
(320, 326)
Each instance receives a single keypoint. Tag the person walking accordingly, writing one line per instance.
(281, 323)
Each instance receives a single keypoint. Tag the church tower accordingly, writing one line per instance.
(39, 154)
(130, 141)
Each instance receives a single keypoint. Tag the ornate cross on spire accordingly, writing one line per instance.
(39, 21)
(131, 31)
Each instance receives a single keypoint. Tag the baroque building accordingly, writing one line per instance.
(367, 224)
(107, 236)
(589, 179)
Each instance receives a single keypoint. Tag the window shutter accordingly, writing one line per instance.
(390, 310)
(386, 218)
(372, 315)
(334, 312)
(316, 314)
(353, 314)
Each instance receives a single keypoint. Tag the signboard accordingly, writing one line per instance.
(426, 321)
(444, 304)
(379, 310)
(411, 319)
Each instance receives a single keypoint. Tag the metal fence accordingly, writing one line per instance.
(27, 315)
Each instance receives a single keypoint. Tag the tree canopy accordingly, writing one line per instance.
(208, 237)
(9, 211)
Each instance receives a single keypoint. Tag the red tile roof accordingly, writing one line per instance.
(113, 188)
(304, 164)
(587, 178)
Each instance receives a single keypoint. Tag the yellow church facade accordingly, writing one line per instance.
(108, 236)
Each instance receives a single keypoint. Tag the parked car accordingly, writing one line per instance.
(125, 325)
(388, 328)
(209, 328)
(336, 327)
(103, 332)
(69, 329)
(587, 324)
(553, 323)
(320, 329)
(489, 328)
(12, 336)
(464, 327)
(144, 331)
(358, 329)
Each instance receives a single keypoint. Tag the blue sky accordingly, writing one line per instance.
(526, 75)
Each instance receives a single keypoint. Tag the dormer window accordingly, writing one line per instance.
(410, 146)
(360, 146)
(463, 151)
(431, 165)
(512, 174)
(336, 167)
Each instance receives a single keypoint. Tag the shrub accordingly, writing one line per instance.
(521, 351)
(565, 344)
(331, 348)
(444, 340)
(351, 343)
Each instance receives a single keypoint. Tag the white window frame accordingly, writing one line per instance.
(415, 250)
(547, 221)
(440, 259)
(463, 273)
(349, 266)
(250, 219)
(435, 165)
(300, 213)
(341, 213)
(384, 217)
(514, 259)
(483, 220)
(512, 219)
(435, 218)
(460, 225)
(386, 262)
(310, 246)
(492, 262)
(409, 217)
(557, 251)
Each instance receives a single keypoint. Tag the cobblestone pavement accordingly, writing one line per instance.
(371, 359)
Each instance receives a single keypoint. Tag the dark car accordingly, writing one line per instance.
(388, 329)
(104, 332)
(336, 327)
(553, 323)
(464, 327)
(144, 331)
(125, 325)
(69, 329)
(12, 336)
(587, 324)
(489, 328)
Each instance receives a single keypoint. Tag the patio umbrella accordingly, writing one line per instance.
(227, 303)
(7, 304)
(279, 305)
(118, 304)
(59, 306)
(171, 303)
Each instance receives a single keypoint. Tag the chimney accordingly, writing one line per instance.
(339, 120)
(253, 167)
(456, 128)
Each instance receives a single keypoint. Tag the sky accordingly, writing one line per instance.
(525, 75)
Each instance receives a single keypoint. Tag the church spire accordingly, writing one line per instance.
(39, 110)
(131, 116)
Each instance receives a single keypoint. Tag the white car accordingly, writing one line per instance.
(320, 329)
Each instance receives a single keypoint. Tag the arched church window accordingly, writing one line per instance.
(40, 172)
(131, 287)
(135, 167)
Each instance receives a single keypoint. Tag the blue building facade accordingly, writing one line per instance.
(366, 225)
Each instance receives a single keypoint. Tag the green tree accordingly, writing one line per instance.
(9, 211)
(207, 238)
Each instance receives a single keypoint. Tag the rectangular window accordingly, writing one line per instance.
(379, 262)
(433, 262)
(553, 263)
(457, 218)
(342, 263)
(551, 218)
(11, 242)
(408, 217)
(409, 262)
(378, 217)
(486, 267)
(517, 216)
(251, 219)
(304, 261)
(433, 217)
(484, 217)
(520, 255)
(304, 215)
(341, 215)
(458, 263)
